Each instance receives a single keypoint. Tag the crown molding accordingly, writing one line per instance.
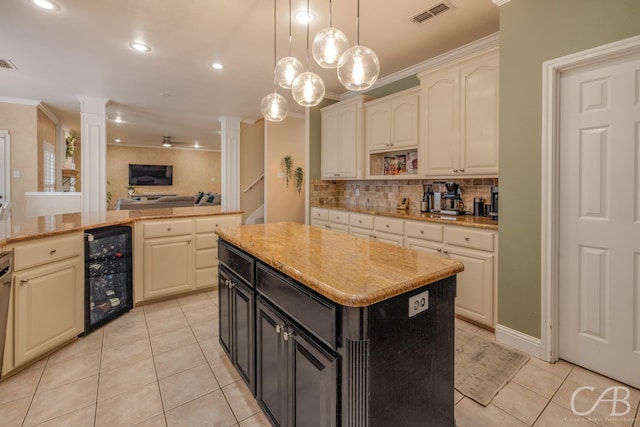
(21, 101)
(47, 112)
(500, 2)
(487, 42)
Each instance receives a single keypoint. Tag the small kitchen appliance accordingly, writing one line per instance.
(426, 205)
(452, 203)
(494, 203)
(478, 206)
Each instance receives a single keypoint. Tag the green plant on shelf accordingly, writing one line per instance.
(70, 146)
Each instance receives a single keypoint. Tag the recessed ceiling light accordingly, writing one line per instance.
(118, 120)
(117, 140)
(217, 66)
(139, 47)
(304, 18)
(46, 4)
(196, 145)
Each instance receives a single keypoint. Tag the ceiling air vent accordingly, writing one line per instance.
(431, 12)
(5, 63)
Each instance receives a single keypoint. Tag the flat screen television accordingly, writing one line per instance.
(150, 174)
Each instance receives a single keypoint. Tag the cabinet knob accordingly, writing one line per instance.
(23, 281)
(336, 174)
(439, 249)
(52, 251)
(445, 251)
(359, 221)
(461, 170)
(421, 231)
(386, 225)
(286, 335)
(168, 228)
(455, 170)
(466, 239)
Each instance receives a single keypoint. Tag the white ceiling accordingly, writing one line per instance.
(83, 50)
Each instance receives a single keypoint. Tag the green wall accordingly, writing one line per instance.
(531, 32)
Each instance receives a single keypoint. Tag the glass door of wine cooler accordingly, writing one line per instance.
(108, 275)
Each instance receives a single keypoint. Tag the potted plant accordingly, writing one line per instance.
(287, 163)
(131, 190)
(70, 149)
(299, 174)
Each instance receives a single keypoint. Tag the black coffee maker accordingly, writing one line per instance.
(494, 203)
(427, 199)
(452, 199)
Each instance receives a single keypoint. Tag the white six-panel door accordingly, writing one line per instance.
(599, 224)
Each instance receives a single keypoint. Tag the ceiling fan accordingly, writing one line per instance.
(168, 142)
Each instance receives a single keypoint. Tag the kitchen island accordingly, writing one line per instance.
(329, 329)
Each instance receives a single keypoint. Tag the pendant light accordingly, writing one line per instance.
(308, 87)
(288, 68)
(329, 44)
(274, 107)
(358, 67)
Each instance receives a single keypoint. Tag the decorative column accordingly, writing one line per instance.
(93, 137)
(230, 162)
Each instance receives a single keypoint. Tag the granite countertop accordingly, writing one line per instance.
(20, 229)
(348, 270)
(464, 220)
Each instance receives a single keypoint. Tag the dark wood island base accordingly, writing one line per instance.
(313, 361)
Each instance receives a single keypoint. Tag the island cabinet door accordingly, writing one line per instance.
(243, 301)
(313, 382)
(224, 309)
(271, 364)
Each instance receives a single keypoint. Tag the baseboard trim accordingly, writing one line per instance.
(518, 340)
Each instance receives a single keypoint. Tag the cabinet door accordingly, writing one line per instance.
(404, 121)
(378, 123)
(314, 382)
(479, 150)
(474, 285)
(347, 141)
(243, 301)
(271, 362)
(168, 266)
(391, 239)
(441, 119)
(48, 307)
(329, 143)
(423, 245)
(224, 309)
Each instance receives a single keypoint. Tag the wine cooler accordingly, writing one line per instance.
(108, 275)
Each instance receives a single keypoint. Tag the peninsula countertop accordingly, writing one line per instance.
(20, 229)
(463, 220)
(348, 270)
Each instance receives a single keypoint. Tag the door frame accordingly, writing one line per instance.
(550, 215)
(4, 134)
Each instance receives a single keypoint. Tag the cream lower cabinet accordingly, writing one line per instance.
(336, 220)
(206, 256)
(477, 250)
(177, 256)
(382, 229)
(48, 292)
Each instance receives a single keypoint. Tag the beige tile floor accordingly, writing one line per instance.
(161, 365)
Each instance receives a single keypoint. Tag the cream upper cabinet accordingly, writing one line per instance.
(48, 292)
(459, 117)
(392, 121)
(342, 140)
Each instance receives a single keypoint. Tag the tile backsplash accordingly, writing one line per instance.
(385, 193)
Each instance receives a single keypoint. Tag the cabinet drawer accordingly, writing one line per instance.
(474, 239)
(361, 221)
(339, 217)
(206, 258)
(48, 249)
(423, 230)
(389, 225)
(206, 241)
(301, 304)
(167, 228)
(320, 214)
(238, 261)
(209, 225)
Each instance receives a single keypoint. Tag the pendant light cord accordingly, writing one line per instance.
(289, 27)
(274, 46)
(358, 25)
(330, 15)
(308, 20)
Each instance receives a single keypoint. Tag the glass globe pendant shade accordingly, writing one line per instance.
(327, 47)
(308, 89)
(358, 68)
(287, 69)
(274, 107)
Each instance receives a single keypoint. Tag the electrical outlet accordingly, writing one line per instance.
(418, 303)
(357, 192)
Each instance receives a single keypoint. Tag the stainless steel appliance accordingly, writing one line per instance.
(494, 203)
(478, 206)
(426, 205)
(6, 274)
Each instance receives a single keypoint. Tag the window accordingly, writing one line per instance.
(49, 167)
